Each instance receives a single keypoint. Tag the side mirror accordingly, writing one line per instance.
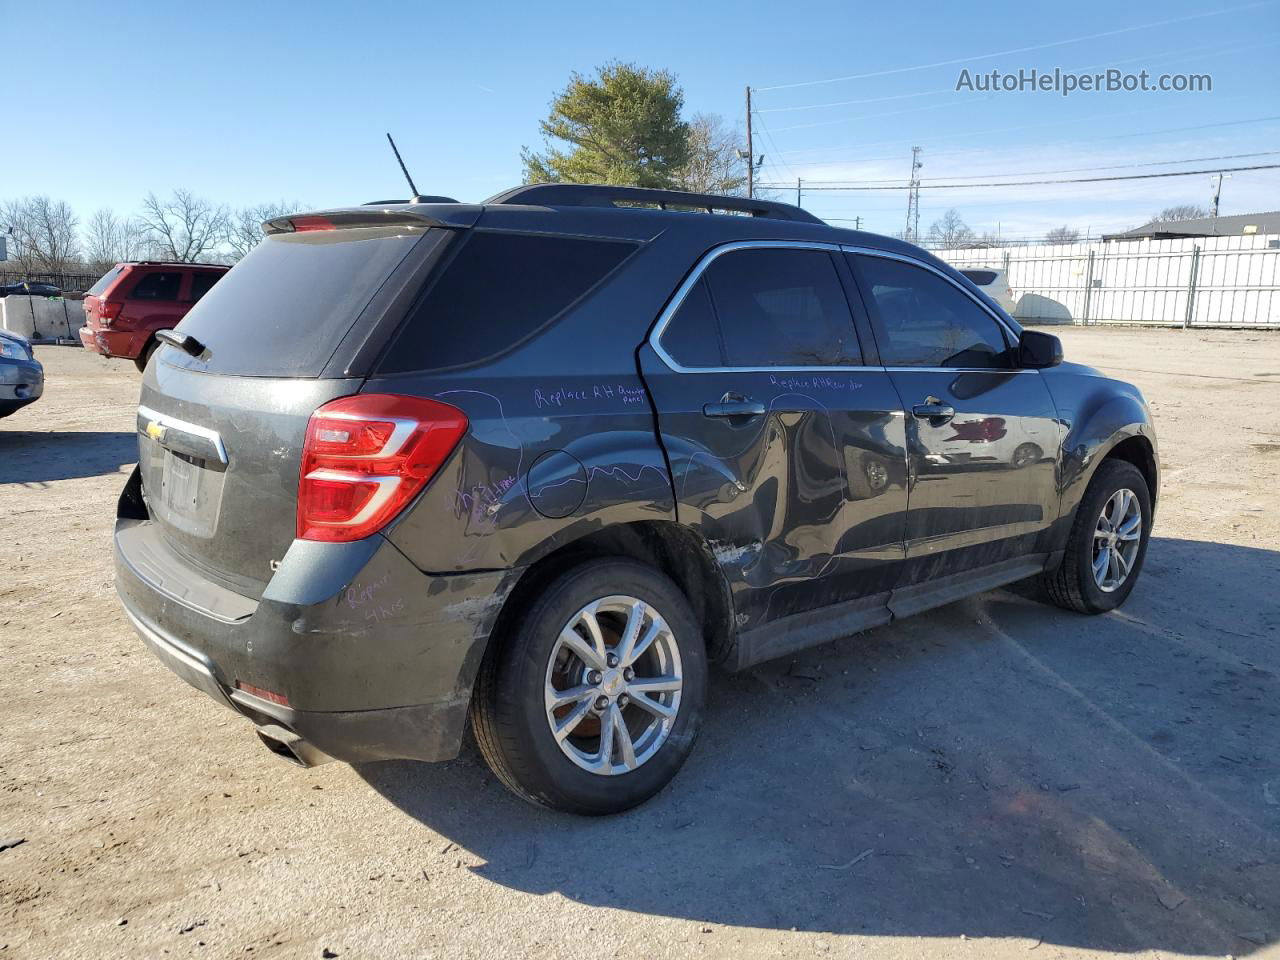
(1037, 350)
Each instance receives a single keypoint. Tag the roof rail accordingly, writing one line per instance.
(600, 195)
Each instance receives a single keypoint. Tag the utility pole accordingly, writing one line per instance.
(913, 198)
(857, 223)
(797, 191)
(1217, 191)
(751, 156)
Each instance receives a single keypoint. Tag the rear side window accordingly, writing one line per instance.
(923, 320)
(773, 307)
(983, 278)
(201, 281)
(284, 308)
(107, 279)
(158, 285)
(496, 291)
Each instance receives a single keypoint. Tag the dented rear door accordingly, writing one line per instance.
(786, 446)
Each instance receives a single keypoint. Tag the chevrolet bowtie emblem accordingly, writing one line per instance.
(155, 431)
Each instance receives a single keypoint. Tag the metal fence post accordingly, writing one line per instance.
(1191, 286)
(1088, 289)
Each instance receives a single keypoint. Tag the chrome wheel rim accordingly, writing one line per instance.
(613, 684)
(1116, 539)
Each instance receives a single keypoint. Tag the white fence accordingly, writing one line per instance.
(1196, 282)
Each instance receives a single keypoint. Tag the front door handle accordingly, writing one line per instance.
(934, 410)
(734, 406)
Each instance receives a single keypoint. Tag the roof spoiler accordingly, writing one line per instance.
(601, 195)
(449, 214)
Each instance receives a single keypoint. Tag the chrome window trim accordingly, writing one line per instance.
(682, 291)
(677, 301)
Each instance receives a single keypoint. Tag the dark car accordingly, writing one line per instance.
(538, 462)
(132, 302)
(30, 288)
(21, 375)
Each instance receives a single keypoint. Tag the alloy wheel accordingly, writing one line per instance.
(613, 685)
(1116, 539)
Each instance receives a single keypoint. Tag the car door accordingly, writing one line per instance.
(786, 449)
(156, 300)
(983, 436)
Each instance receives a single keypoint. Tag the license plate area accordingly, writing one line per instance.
(190, 494)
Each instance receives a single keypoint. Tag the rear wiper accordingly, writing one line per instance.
(183, 341)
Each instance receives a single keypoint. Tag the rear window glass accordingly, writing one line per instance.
(983, 278)
(284, 308)
(108, 278)
(497, 290)
(201, 281)
(158, 286)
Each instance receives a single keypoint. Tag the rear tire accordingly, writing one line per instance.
(533, 667)
(1104, 521)
(140, 361)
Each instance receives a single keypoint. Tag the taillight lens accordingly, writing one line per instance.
(365, 457)
(108, 311)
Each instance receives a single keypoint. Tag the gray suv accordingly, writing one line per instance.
(533, 465)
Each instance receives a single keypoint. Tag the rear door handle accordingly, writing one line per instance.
(732, 405)
(934, 409)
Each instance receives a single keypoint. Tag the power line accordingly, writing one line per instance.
(1052, 123)
(1033, 183)
(1005, 53)
(925, 182)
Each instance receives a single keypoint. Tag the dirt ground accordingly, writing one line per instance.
(992, 778)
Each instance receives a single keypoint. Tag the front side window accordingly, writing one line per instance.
(923, 320)
(158, 286)
(201, 281)
(765, 307)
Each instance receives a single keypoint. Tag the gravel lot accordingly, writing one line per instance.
(987, 779)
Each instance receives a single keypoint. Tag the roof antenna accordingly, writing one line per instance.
(417, 197)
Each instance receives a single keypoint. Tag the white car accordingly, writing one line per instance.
(995, 284)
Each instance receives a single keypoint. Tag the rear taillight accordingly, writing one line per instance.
(108, 311)
(365, 457)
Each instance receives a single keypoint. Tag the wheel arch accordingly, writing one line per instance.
(670, 547)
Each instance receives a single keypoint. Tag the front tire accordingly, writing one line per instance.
(592, 701)
(140, 361)
(1107, 543)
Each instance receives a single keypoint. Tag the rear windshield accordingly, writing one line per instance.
(284, 308)
(983, 278)
(108, 278)
(497, 291)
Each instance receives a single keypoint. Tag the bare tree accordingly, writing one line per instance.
(42, 234)
(714, 165)
(950, 232)
(1062, 234)
(184, 227)
(244, 229)
(1182, 211)
(110, 240)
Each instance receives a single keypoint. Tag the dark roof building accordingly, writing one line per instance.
(1244, 224)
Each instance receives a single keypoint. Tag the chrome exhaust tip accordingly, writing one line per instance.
(284, 743)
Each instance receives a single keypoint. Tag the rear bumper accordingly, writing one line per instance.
(111, 343)
(376, 659)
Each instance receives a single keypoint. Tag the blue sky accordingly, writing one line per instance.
(245, 103)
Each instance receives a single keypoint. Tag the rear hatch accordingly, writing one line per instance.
(98, 292)
(287, 330)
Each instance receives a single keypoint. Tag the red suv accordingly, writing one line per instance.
(132, 301)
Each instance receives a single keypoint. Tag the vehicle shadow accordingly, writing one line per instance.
(997, 768)
(40, 457)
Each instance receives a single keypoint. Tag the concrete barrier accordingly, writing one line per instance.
(42, 318)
